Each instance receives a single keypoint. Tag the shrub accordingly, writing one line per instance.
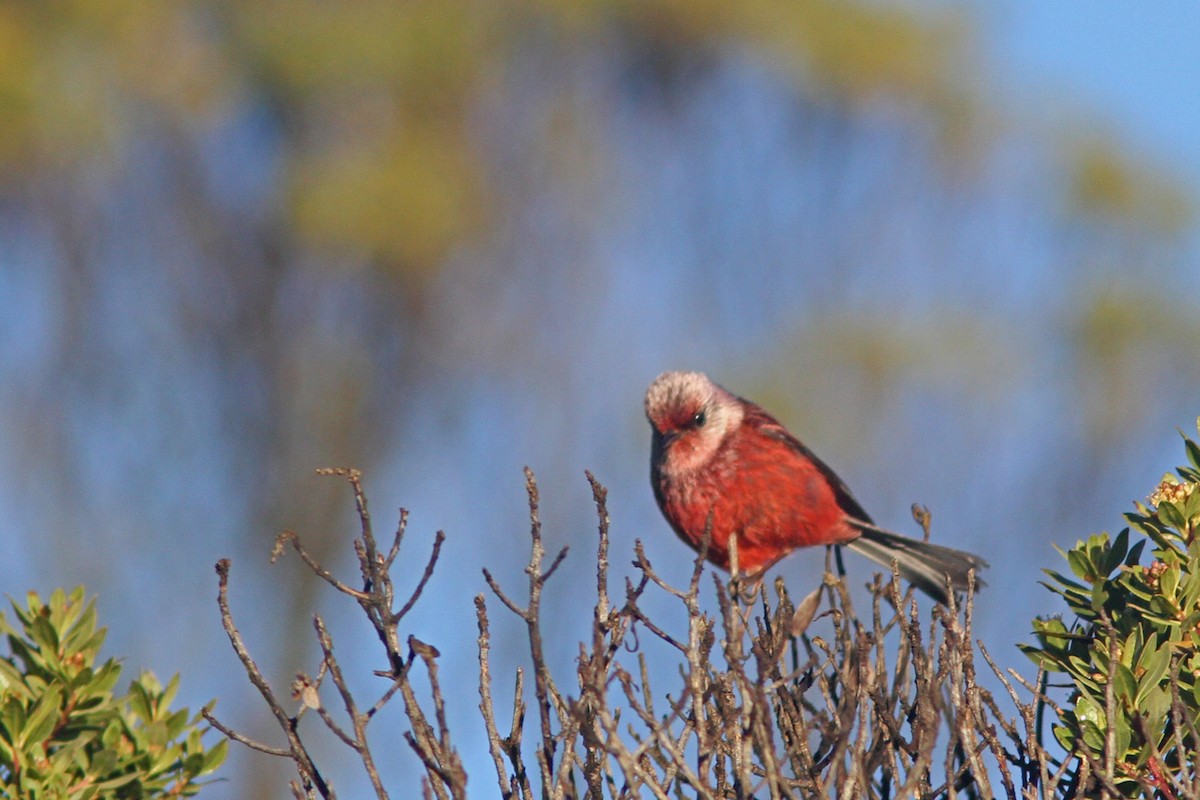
(63, 733)
(1132, 654)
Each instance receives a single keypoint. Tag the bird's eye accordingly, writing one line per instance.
(699, 419)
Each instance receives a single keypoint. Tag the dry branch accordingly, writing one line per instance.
(765, 697)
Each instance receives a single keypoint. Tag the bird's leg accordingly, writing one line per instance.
(837, 560)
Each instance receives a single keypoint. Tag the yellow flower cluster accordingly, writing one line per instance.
(1171, 491)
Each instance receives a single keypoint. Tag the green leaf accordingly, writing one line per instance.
(57, 606)
(43, 718)
(11, 679)
(1155, 532)
(1135, 552)
(1122, 735)
(140, 702)
(215, 757)
(13, 715)
(1155, 706)
(1088, 678)
(1125, 685)
(1138, 589)
(1080, 566)
(77, 637)
(1065, 737)
(1093, 736)
(1116, 553)
(177, 722)
(119, 781)
(1190, 590)
(1154, 663)
(1190, 509)
(1193, 451)
(1131, 647)
(105, 678)
(34, 604)
(1169, 513)
(1041, 658)
(104, 762)
(193, 763)
(6, 629)
(1052, 627)
(1064, 581)
(156, 734)
(44, 635)
(168, 694)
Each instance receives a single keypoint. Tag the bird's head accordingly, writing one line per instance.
(690, 417)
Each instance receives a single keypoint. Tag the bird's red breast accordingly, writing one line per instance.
(763, 486)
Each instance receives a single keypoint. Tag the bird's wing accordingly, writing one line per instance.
(758, 417)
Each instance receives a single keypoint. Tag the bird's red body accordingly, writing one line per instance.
(761, 485)
(723, 464)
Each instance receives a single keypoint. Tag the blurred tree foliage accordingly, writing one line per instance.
(377, 98)
(1113, 185)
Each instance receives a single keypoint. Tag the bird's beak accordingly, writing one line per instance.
(658, 445)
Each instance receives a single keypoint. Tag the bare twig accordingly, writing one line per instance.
(755, 698)
(242, 738)
(310, 776)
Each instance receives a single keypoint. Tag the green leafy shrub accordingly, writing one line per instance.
(1133, 652)
(63, 734)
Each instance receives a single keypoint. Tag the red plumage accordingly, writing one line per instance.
(717, 456)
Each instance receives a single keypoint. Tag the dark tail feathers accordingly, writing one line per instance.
(929, 567)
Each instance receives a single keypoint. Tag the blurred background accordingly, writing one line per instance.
(952, 246)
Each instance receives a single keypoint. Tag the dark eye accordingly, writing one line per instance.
(699, 419)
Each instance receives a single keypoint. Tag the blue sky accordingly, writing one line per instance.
(1133, 67)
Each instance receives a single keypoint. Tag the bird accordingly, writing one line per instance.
(723, 465)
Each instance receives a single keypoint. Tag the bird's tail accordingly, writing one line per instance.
(929, 567)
